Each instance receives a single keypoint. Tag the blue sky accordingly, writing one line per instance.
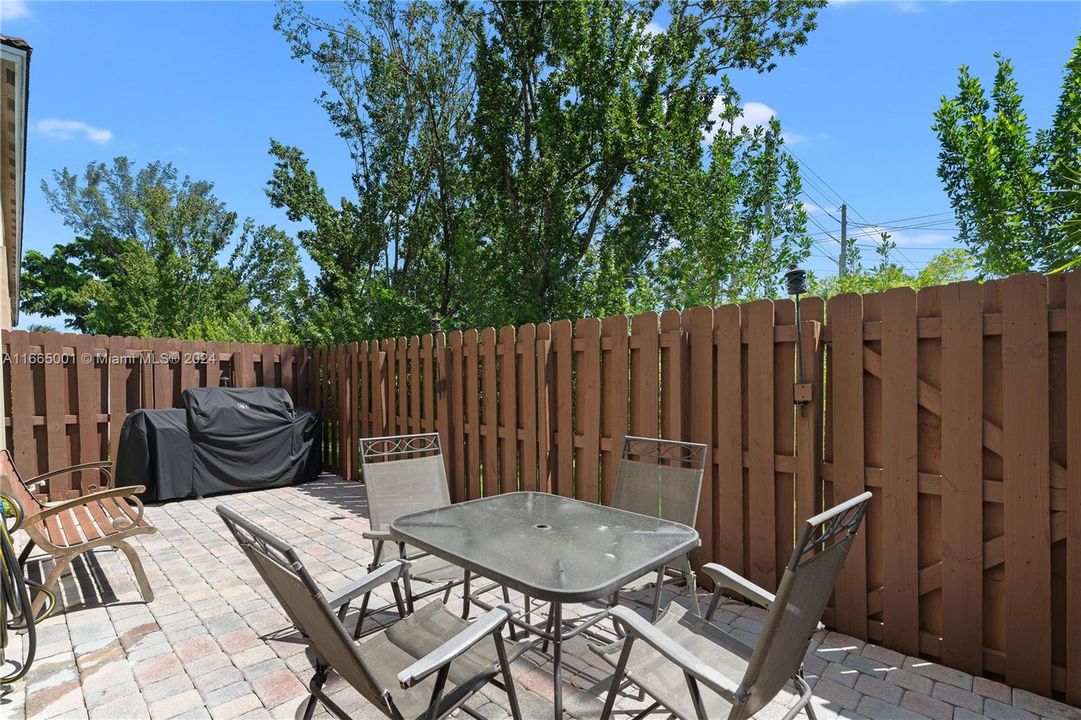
(207, 84)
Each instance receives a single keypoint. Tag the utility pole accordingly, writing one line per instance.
(842, 261)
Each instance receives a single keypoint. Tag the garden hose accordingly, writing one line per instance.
(15, 606)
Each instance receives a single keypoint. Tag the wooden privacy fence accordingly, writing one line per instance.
(959, 407)
(66, 396)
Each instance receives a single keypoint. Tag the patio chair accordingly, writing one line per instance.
(661, 478)
(697, 670)
(100, 518)
(405, 474)
(425, 665)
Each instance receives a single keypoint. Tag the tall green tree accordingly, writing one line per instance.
(401, 95)
(159, 255)
(526, 161)
(588, 152)
(1009, 186)
(745, 225)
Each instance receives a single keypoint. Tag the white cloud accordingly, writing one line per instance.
(14, 9)
(753, 115)
(907, 6)
(70, 129)
(815, 209)
(654, 28)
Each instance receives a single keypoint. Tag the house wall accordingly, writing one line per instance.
(6, 313)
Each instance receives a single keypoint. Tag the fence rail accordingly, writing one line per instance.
(959, 407)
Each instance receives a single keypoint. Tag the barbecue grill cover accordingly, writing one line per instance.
(154, 445)
(224, 440)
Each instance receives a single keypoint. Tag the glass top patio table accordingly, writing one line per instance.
(547, 546)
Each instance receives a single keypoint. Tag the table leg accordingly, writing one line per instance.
(465, 595)
(557, 659)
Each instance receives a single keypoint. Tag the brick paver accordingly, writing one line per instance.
(214, 644)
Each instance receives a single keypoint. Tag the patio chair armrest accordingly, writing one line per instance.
(639, 628)
(386, 573)
(487, 624)
(104, 466)
(127, 492)
(725, 579)
(383, 535)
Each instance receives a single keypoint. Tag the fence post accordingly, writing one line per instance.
(809, 418)
(443, 386)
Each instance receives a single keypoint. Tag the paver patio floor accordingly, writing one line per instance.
(214, 644)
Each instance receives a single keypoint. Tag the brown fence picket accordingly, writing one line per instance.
(401, 354)
(699, 325)
(645, 375)
(545, 408)
(118, 370)
(761, 476)
(563, 466)
(471, 417)
(673, 375)
(415, 418)
(527, 406)
(381, 413)
(1026, 472)
(508, 410)
(587, 410)
(784, 431)
(365, 392)
(728, 543)
(489, 427)
(900, 599)
(457, 421)
(615, 349)
(443, 385)
(809, 497)
(1073, 489)
(243, 372)
(962, 475)
(88, 398)
(427, 384)
(59, 451)
(845, 316)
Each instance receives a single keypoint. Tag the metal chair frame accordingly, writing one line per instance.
(677, 453)
(835, 527)
(255, 539)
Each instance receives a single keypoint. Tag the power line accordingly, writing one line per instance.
(878, 230)
(915, 217)
(811, 170)
(843, 202)
(825, 253)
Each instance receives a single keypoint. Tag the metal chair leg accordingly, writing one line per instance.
(508, 681)
(617, 677)
(315, 685)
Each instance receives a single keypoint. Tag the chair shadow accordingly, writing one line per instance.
(83, 586)
(352, 497)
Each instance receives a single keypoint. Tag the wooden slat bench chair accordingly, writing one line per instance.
(104, 517)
